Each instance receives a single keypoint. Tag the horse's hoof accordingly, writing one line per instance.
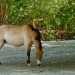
(0, 63)
(28, 63)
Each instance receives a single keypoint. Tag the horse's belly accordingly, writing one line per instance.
(14, 39)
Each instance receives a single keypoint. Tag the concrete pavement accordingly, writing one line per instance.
(59, 59)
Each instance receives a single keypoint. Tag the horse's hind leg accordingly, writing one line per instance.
(1, 45)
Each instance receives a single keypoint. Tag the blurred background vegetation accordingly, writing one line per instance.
(57, 16)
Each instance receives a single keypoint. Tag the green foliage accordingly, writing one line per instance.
(19, 11)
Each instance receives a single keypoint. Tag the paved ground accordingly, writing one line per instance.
(59, 59)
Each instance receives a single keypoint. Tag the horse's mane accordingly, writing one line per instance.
(35, 30)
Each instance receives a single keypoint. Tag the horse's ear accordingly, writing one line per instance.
(35, 23)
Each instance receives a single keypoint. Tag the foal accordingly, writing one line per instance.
(22, 35)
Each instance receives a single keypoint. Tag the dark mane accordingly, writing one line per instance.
(37, 31)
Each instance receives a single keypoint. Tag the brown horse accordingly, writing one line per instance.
(22, 35)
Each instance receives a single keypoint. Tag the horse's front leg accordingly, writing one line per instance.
(28, 56)
(39, 52)
(28, 47)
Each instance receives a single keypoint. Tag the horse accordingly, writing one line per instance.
(26, 35)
